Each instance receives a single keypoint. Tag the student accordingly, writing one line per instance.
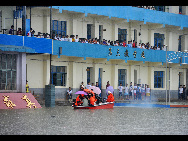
(148, 91)
(29, 33)
(135, 89)
(124, 43)
(130, 91)
(63, 38)
(69, 93)
(82, 86)
(70, 39)
(143, 92)
(120, 88)
(73, 40)
(126, 91)
(88, 85)
(140, 92)
(181, 92)
(19, 32)
(76, 40)
(11, 31)
(67, 38)
(27, 87)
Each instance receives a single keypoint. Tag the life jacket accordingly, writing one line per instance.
(110, 98)
(92, 100)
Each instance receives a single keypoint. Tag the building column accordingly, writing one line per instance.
(185, 10)
(151, 37)
(114, 77)
(21, 73)
(114, 31)
(74, 26)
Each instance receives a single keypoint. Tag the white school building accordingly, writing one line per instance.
(69, 70)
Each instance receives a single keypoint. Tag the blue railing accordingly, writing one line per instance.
(42, 45)
(132, 13)
(101, 51)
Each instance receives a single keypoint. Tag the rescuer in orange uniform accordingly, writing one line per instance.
(78, 100)
(92, 100)
(110, 97)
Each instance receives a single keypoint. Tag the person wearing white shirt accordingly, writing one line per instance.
(126, 91)
(181, 92)
(29, 33)
(76, 40)
(88, 85)
(120, 88)
(69, 93)
(135, 88)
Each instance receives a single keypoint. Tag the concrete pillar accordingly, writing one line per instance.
(46, 74)
(185, 10)
(46, 22)
(151, 37)
(114, 31)
(114, 76)
(21, 72)
(74, 27)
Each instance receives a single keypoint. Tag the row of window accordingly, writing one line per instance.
(59, 75)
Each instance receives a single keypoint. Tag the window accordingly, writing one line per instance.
(158, 79)
(59, 27)
(122, 76)
(122, 34)
(8, 71)
(88, 75)
(59, 75)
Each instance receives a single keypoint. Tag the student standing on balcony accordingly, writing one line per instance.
(76, 40)
(29, 33)
(11, 30)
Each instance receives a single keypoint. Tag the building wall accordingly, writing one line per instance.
(38, 74)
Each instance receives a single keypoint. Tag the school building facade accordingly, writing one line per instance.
(72, 62)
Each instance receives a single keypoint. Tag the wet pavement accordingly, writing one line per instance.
(63, 120)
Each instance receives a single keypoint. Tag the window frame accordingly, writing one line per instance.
(156, 78)
(63, 75)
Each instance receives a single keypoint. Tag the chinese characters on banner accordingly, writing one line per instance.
(10, 104)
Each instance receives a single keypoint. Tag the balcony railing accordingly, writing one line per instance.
(76, 49)
(131, 13)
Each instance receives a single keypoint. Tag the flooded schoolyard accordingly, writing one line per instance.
(63, 120)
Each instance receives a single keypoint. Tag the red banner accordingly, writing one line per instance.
(18, 101)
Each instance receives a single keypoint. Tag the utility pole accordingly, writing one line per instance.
(24, 21)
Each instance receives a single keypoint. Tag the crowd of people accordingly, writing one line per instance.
(136, 92)
(132, 44)
(146, 7)
(73, 38)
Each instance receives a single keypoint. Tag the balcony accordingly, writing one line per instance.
(131, 13)
(76, 49)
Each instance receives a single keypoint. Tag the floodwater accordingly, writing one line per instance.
(63, 120)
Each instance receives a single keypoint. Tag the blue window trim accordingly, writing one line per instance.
(158, 76)
(119, 77)
(62, 73)
(61, 29)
